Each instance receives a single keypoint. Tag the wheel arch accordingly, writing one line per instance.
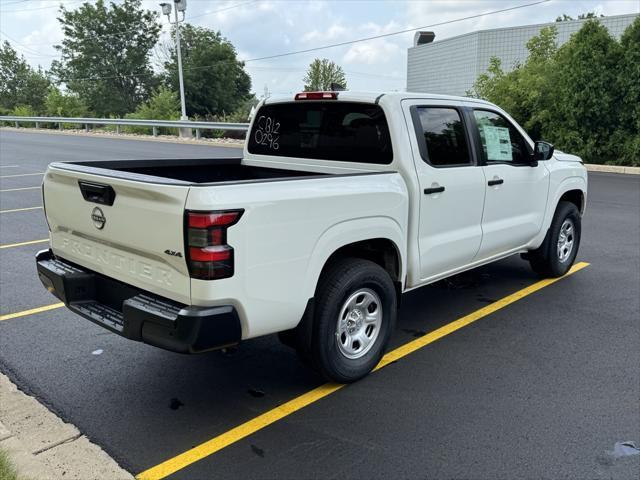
(575, 196)
(381, 251)
(376, 239)
(572, 189)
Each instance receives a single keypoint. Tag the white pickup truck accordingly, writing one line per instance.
(341, 202)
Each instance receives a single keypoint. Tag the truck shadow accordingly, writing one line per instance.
(144, 405)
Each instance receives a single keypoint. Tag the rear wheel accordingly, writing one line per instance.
(355, 312)
(560, 247)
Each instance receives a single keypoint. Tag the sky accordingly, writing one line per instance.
(262, 28)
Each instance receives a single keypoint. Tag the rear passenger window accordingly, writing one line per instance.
(441, 136)
(499, 139)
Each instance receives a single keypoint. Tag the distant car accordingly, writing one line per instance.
(341, 202)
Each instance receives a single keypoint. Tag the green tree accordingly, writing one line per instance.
(106, 54)
(628, 132)
(584, 97)
(322, 73)
(583, 16)
(20, 84)
(215, 81)
(59, 104)
(524, 91)
(584, 103)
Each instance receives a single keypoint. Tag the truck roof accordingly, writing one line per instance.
(364, 96)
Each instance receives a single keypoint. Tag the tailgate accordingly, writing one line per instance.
(128, 230)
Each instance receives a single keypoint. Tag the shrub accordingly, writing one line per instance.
(58, 104)
(24, 111)
(163, 105)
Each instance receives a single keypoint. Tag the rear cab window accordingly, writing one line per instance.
(322, 130)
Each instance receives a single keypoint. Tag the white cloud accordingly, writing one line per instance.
(371, 53)
(333, 33)
(269, 27)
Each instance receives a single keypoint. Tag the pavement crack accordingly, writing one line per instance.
(73, 438)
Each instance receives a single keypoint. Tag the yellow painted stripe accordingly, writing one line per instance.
(24, 313)
(21, 175)
(30, 242)
(449, 328)
(20, 189)
(21, 209)
(238, 433)
(216, 444)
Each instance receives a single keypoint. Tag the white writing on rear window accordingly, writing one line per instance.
(268, 132)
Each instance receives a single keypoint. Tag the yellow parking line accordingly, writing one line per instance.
(20, 209)
(232, 436)
(32, 311)
(21, 175)
(30, 242)
(19, 189)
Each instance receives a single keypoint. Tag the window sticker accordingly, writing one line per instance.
(498, 143)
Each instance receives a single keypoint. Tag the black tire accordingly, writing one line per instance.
(339, 282)
(546, 260)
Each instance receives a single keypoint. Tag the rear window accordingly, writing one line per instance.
(342, 131)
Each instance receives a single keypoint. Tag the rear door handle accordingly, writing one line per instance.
(97, 192)
(497, 181)
(429, 191)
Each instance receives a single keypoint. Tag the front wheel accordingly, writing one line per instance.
(354, 316)
(557, 253)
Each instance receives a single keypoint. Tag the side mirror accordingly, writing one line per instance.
(543, 150)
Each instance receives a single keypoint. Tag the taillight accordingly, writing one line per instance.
(317, 96)
(208, 255)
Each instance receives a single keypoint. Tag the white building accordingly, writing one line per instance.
(451, 66)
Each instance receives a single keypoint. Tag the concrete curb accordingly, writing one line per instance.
(613, 169)
(41, 446)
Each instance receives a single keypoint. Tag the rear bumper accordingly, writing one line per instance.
(136, 314)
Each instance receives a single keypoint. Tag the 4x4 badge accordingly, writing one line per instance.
(173, 253)
(98, 218)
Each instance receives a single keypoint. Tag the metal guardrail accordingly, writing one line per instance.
(128, 122)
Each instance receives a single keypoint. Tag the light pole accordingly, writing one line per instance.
(181, 6)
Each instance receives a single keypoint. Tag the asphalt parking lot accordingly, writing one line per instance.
(541, 388)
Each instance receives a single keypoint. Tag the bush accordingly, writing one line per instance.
(58, 104)
(24, 111)
(241, 115)
(163, 105)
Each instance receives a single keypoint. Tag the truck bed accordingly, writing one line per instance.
(185, 171)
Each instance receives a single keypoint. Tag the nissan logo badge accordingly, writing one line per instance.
(98, 218)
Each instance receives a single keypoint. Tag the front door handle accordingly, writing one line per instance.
(429, 191)
(495, 181)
